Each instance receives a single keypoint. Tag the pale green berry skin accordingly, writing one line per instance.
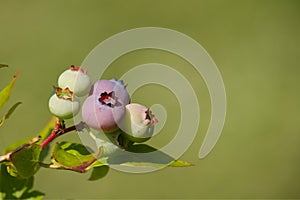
(135, 125)
(76, 81)
(62, 108)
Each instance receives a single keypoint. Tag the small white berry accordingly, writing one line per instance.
(138, 123)
(76, 79)
(64, 104)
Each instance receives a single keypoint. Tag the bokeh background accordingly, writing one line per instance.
(255, 44)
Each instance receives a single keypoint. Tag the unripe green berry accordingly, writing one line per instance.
(76, 79)
(138, 123)
(64, 104)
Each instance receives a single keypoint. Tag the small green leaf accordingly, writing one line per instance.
(44, 153)
(11, 169)
(12, 109)
(20, 143)
(5, 93)
(33, 195)
(99, 172)
(11, 187)
(3, 65)
(26, 160)
(180, 163)
(72, 156)
(98, 163)
(142, 155)
(16, 188)
(15, 145)
(43, 134)
(9, 112)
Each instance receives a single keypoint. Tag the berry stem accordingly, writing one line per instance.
(59, 130)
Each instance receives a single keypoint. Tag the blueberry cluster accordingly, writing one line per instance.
(107, 107)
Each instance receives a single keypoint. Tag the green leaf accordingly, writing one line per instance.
(5, 93)
(76, 157)
(180, 163)
(43, 134)
(33, 195)
(26, 160)
(11, 169)
(12, 109)
(9, 112)
(44, 153)
(3, 65)
(72, 156)
(99, 172)
(12, 187)
(142, 155)
(15, 188)
(15, 145)
(98, 163)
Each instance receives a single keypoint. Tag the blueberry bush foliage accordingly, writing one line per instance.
(117, 126)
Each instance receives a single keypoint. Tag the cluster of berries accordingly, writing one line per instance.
(107, 107)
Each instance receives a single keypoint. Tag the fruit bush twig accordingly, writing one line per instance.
(57, 131)
(6, 157)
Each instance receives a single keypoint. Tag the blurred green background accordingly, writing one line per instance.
(255, 44)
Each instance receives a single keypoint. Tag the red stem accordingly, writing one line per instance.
(56, 133)
(51, 137)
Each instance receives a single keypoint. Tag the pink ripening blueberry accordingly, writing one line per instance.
(105, 107)
(113, 85)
